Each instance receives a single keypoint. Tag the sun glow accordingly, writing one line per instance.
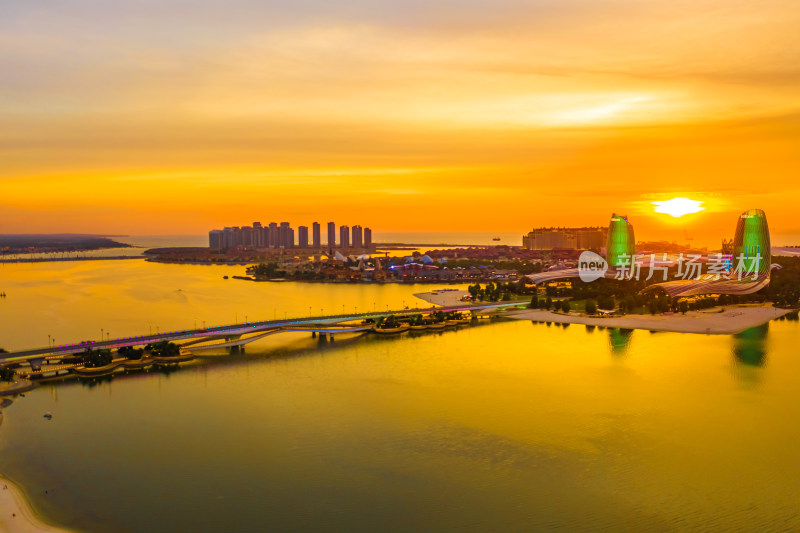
(677, 207)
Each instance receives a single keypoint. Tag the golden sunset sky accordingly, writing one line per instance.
(178, 116)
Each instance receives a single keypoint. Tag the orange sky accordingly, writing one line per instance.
(177, 117)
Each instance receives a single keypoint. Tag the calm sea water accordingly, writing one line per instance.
(506, 426)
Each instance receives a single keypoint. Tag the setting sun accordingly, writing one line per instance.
(677, 207)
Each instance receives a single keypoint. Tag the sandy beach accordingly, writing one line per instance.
(16, 516)
(711, 321)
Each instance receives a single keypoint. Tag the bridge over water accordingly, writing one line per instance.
(233, 335)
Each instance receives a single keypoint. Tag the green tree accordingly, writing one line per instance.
(129, 352)
(548, 303)
(166, 349)
(591, 307)
(606, 302)
(683, 306)
(534, 302)
(6, 373)
(96, 358)
(565, 306)
(474, 290)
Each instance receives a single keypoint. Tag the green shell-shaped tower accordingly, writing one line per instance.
(620, 244)
(751, 242)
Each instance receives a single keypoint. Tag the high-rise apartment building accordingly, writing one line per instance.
(344, 236)
(367, 238)
(331, 234)
(216, 239)
(285, 235)
(316, 241)
(273, 235)
(302, 236)
(258, 235)
(358, 240)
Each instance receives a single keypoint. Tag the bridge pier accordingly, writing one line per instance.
(36, 364)
(313, 334)
(330, 336)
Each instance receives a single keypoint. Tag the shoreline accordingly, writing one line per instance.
(16, 513)
(730, 321)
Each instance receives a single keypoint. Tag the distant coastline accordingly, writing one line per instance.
(56, 243)
(74, 258)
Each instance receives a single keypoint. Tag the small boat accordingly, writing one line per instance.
(224, 277)
(48, 415)
(496, 239)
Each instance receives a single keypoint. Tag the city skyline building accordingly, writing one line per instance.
(302, 236)
(316, 241)
(331, 234)
(750, 268)
(358, 237)
(621, 243)
(751, 241)
(282, 235)
(585, 238)
(285, 235)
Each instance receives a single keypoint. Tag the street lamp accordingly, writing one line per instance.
(101, 334)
